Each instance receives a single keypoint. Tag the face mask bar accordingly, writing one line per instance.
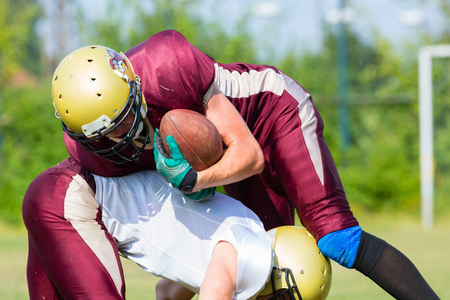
(124, 150)
(292, 291)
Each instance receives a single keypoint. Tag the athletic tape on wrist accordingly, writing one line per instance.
(188, 182)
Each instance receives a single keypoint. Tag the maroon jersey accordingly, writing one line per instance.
(299, 170)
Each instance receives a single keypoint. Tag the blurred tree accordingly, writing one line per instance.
(382, 162)
(441, 111)
(445, 9)
(32, 142)
(380, 168)
(19, 45)
(181, 15)
(19, 59)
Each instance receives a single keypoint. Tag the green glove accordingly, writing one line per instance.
(174, 167)
(177, 170)
(202, 195)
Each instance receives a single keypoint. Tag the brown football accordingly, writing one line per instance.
(198, 138)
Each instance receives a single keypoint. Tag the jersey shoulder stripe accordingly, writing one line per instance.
(242, 83)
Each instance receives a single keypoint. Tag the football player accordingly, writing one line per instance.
(216, 248)
(277, 161)
(167, 235)
(301, 275)
(175, 238)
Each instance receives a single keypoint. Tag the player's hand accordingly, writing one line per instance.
(177, 170)
(202, 195)
(175, 167)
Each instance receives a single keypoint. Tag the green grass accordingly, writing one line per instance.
(427, 249)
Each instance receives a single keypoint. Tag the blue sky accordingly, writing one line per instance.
(297, 23)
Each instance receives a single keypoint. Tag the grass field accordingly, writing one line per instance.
(427, 249)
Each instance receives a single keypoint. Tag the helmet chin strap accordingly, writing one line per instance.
(139, 130)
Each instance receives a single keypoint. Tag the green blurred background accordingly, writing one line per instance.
(364, 85)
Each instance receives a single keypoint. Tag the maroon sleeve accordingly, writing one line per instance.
(174, 73)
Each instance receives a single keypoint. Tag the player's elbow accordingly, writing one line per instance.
(247, 156)
(258, 165)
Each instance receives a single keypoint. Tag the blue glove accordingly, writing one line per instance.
(177, 170)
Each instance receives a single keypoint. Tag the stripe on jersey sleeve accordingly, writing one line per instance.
(235, 84)
(309, 123)
(241, 85)
(81, 209)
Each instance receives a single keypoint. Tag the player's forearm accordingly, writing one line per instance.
(239, 161)
(243, 157)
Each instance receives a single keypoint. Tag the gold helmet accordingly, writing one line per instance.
(94, 90)
(300, 270)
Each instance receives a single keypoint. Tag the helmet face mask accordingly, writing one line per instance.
(291, 292)
(125, 150)
(94, 90)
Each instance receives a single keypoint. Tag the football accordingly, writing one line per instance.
(198, 138)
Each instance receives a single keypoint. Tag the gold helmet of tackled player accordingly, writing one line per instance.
(300, 270)
(94, 90)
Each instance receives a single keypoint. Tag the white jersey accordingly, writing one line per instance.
(173, 237)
